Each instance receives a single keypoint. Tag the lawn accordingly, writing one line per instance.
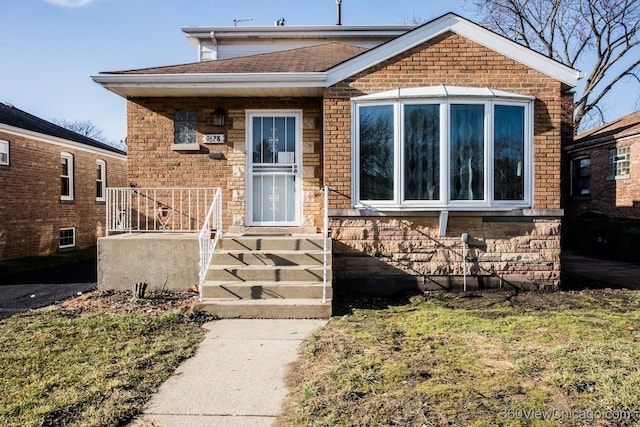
(480, 359)
(93, 360)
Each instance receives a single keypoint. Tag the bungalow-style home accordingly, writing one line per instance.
(53, 185)
(603, 190)
(435, 148)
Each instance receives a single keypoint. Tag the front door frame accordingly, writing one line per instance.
(250, 114)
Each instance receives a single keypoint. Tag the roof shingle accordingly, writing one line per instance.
(15, 117)
(300, 60)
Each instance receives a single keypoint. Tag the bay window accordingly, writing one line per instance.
(425, 149)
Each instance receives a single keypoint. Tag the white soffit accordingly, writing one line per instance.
(442, 91)
(465, 28)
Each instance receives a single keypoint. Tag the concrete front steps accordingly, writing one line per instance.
(269, 277)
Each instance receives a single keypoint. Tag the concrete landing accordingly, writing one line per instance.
(236, 378)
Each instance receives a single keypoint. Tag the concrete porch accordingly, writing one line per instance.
(262, 274)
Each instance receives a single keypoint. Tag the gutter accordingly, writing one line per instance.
(248, 80)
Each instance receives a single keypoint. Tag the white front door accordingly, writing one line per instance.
(274, 157)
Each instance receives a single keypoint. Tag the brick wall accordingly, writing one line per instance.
(523, 251)
(615, 198)
(452, 60)
(31, 213)
(152, 162)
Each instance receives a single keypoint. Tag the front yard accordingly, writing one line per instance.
(93, 360)
(481, 359)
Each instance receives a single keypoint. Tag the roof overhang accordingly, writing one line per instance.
(223, 84)
(66, 143)
(313, 83)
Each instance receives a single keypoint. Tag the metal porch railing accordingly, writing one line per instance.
(157, 210)
(209, 236)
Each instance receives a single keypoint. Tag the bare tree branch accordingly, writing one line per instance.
(602, 36)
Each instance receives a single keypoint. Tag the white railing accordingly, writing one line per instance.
(157, 210)
(325, 233)
(209, 236)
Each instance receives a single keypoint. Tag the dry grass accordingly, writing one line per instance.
(93, 361)
(480, 359)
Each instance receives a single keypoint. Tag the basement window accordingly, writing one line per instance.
(67, 238)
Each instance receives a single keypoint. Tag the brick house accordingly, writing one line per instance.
(603, 190)
(421, 133)
(52, 185)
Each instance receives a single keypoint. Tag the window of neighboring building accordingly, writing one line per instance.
(185, 127)
(619, 163)
(443, 153)
(580, 177)
(66, 176)
(4, 152)
(67, 238)
(101, 180)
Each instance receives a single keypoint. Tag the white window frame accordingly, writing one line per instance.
(445, 202)
(4, 152)
(616, 158)
(73, 238)
(69, 158)
(101, 180)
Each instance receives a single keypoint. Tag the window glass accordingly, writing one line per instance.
(422, 152)
(274, 139)
(66, 176)
(4, 152)
(466, 152)
(581, 176)
(100, 180)
(508, 151)
(186, 127)
(376, 152)
(67, 238)
(619, 162)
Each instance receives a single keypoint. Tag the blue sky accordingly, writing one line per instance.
(49, 48)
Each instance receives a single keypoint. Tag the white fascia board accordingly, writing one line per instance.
(461, 26)
(333, 31)
(240, 80)
(37, 136)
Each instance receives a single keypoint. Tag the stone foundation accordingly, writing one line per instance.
(387, 254)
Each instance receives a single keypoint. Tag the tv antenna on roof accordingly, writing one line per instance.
(236, 20)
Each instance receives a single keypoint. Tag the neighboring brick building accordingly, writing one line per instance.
(424, 134)
(52, 185)
(603, 190)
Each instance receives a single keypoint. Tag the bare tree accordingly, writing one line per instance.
(600, 37)
(83, 127)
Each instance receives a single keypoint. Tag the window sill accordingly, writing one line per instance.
(185, 147)
(507, 212)
(67, 202)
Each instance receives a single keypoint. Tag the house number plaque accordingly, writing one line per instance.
(214, 138)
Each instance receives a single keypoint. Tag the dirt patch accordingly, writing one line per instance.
(610, 299)
(123, 302)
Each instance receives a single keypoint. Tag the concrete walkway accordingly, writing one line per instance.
(236, 377)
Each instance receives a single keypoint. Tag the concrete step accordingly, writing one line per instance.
(262, 290)
(270, 243)
(274, 257)
(267, 273)
(267, 308)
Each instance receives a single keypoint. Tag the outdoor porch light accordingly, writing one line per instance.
(217, 117)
